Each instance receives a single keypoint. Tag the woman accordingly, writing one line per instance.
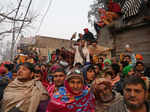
(89, 74)
(98, 70)
(74, 97)
(107, 63)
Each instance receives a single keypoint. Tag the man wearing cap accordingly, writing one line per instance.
(4, 80)
(24, 93)
(88, 36)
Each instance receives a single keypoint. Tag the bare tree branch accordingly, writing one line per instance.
(10, 31)
(7, 15)
(11, 18)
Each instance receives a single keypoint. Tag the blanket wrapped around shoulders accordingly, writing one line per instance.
(26, 94)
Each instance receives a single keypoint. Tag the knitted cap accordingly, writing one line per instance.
(107, 60)
(74, 73)
(2, 70)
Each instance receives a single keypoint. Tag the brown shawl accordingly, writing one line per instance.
(28, 94)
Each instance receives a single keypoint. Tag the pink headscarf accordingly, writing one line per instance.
(64, 100)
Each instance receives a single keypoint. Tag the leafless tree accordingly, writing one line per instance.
(15, 19)
(93, 14)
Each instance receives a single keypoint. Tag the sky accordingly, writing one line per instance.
(63, 18)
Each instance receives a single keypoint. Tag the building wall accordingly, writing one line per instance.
(105, 38)
(138, 39)
(47, 43)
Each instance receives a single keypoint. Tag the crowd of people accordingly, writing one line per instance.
(85, 79)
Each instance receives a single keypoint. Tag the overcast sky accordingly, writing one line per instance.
(63, 18)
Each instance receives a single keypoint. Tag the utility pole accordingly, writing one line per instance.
(14, 38)
(13, 34)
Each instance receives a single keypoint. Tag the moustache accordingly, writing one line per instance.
(131, 98)
(106, 95)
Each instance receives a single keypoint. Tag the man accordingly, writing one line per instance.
(81, 52)
(141, 70)
(126, 60)
(104, 94)
(96, 50)
(30, 58)
(4, 80)
(114, 70)
(135, 97)
(38, 75)
(58, 81)
(88, 36)
(9, 68)
(24, 93)
(128, 57)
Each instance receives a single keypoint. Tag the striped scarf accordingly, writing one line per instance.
(130, 7)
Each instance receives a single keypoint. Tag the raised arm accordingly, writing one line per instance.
(71, 43)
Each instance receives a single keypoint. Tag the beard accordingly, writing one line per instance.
(125, 63)
(133, 106)
(106, 98)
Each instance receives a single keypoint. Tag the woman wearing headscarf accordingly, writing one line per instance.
(107, 63)
(74, 97)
